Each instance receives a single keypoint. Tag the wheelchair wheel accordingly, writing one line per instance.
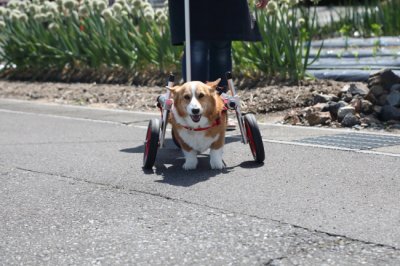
(174, 139)
(254, 138)
(151, 143)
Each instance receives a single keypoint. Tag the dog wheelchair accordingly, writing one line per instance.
(155, 136)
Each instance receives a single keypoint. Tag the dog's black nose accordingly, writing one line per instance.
(195, 111)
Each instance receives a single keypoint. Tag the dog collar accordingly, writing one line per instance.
(216, 123)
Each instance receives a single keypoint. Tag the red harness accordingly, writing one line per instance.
(217, 122)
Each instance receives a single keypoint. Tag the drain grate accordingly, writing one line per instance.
(354, 141)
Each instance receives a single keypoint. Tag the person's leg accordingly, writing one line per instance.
(220, 60)
(220, 63)
(200, 59)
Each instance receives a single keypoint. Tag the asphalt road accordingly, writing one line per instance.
(74, 192)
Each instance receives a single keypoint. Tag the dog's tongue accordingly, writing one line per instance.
(195, 118)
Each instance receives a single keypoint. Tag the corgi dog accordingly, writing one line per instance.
(198, 121)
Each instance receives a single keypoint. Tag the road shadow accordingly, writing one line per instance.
(170, 159)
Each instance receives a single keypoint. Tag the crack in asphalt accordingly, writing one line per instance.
(132, 191)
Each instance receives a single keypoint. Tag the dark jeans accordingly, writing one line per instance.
(210, 60)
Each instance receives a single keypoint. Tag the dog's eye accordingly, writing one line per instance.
(187, 97)
(201, 95)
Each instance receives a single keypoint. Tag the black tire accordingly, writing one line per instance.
(151, 143)
(254, 138)
(174, 139)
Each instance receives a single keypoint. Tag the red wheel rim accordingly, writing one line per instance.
(250, 140)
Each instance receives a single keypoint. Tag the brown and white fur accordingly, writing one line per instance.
(197, 105)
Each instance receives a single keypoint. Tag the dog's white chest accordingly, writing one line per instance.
(197, 139)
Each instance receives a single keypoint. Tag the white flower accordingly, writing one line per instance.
(13, 4)
(40, 17)
(83, 10)
(124, 13)
(53, 26)
(3, 11)
(23, 18)
(49, 16)
(272, 7)
(51, 7)
(148, 13)
(14, 15)
(107, 13)
(2, 24)
(117, 7)
(137, 3)
(69, 4)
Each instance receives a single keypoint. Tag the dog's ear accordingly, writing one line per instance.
(213, 84)
(173, 89)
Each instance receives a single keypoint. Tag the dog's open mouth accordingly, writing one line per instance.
(195, 118)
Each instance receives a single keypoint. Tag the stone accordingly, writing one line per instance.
(292, 118)
(376, 90)
(355, 89)
(385, 78)
(367, 107)
(370, 120)
(382, 100)
(350, 120)
(318, 118)
(393, 99)
(334, 108)
(356, 103)
(377, 109)
(324, 98)
(347, 97)
(321, 107)
(343, 111)
(370, 97)
(395, 87)
(389, 112)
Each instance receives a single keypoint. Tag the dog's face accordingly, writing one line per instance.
(195, 102)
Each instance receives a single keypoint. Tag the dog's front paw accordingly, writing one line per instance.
(190, 165)
(190, 160)
(216, 161)
(218, 165)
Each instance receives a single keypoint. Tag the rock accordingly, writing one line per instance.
(389, 112)
(334, 108)
(324, 98)
(385, 78)
(395, 87)
(317, 118)
(355, 89)
(356, 103)
(382, 100)
(347, 97)
(377, 109)
(350, 120)
(370, 97)
(367, 107)
(393, 99)
(343, 111)
(321, 107)
(376, 90)
(292, 118)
